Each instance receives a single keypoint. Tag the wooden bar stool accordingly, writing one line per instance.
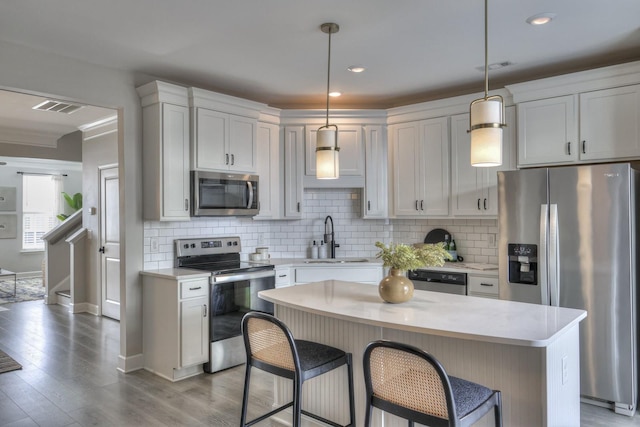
(410, 383)
(270, 346)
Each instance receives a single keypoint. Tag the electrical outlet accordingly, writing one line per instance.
(491, 238)
(260, 239)
(154, 244)
(565, 370)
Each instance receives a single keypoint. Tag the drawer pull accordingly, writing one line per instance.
(486, 284)
(282, 275)
(195, 289)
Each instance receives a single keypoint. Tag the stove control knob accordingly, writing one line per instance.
(186, 246)
(229, 243)
(235, 243)
(193, 245)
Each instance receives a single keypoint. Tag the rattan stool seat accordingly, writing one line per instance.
(270, 347)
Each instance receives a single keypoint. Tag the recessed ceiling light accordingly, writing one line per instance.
(356, 68)
(541, 18)
(334, 94)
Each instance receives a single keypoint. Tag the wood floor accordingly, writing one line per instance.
(69, 378)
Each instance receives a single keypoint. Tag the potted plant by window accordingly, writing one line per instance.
(400, 258)
(74, 202)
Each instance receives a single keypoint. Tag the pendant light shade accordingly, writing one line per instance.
(486, 118)
(327, 150)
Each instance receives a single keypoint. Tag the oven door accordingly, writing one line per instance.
(232, 296)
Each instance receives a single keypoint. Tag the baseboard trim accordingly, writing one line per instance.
(85, 307)
(131, 363)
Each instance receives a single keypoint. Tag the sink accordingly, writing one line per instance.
(335, 261)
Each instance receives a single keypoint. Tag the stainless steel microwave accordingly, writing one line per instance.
(223, 194)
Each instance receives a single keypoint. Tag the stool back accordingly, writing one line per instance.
(399, 377)
(268, 341)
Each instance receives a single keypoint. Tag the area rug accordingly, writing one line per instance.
(7, 364)
(27, 289)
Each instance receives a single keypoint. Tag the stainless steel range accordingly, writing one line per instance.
(233, 290)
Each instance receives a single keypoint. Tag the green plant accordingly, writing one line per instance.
(405, 257)
(74, 202)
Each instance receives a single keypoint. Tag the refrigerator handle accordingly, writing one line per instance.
(543, 278)
(554, 256)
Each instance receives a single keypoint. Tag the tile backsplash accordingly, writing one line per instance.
(292, 238)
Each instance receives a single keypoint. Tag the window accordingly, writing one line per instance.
(40, 204)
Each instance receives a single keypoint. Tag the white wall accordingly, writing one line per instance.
(13, 258)
(97, 151)
(24, 69)
(291, 239)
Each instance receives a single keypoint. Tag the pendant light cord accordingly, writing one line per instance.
(486, 48)
(328, 74)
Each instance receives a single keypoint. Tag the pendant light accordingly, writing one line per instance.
(486, 118)
(327, 162)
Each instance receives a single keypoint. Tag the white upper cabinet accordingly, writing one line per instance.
(352, 163)
(165, 139)
(590, 116)
(374, 196)
(421, 168)
(293, 171)
(223, 141)
(269, 169)
(547, 131)
(351, 150)
(474, 190)
(610, 124)
(224, 132)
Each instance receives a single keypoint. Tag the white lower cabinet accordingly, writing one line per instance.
(175, 319)
(483, 286)
(283, 277)
(371, 274)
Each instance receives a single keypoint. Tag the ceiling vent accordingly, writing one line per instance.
(496, 66)
(57, 106)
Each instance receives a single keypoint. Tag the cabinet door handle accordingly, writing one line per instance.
(486, 284)
(569, 148)
(484, 203)
(186, 204)
(226, 159)
(233, 159)
(282, 275)
(205, 311)
(368, 205)
(478, 204)
(421, 205)
(298, 206)
(584, 147)
(417, 205)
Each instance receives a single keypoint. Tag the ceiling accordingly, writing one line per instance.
(273, 51)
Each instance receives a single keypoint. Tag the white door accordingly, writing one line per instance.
(110, 242)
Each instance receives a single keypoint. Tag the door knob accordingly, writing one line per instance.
(101, 250)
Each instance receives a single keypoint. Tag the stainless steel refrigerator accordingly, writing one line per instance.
(568, 238)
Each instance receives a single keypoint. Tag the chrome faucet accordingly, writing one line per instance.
(330, 237)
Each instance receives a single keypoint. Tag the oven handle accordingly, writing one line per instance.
(235, 277)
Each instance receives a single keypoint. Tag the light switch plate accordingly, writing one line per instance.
(154, 244)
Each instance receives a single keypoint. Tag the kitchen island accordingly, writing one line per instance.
(529, 352)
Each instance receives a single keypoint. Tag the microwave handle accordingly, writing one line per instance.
(250, 188)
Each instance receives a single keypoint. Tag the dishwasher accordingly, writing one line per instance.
(439, 281)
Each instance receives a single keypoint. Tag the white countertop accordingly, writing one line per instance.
(457, 316)
(176, 273)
